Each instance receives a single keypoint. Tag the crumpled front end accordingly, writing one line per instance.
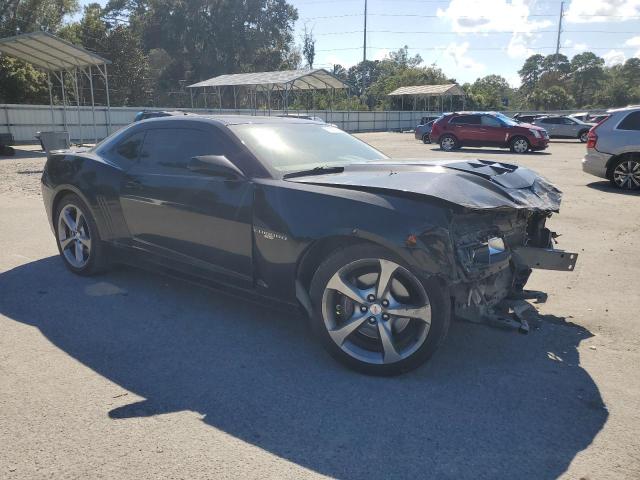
(496, 252)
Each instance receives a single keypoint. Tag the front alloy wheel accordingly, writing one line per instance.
(375, 315)
(626, 175)
(519, 145)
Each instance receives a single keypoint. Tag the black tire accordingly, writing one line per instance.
(626, 164)
(97, 261)
(437, 297)
(514, 144)
(449, 143)
(583, 136)
(6, 150)
(426, 138)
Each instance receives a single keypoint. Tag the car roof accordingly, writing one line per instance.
(628, 108)
(234, 119)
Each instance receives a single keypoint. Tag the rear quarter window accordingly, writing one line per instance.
(630, 122)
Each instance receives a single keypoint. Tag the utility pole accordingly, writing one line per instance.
(559, 30)
(364, 51)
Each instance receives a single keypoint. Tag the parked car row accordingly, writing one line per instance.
(613, 141)
(486, 129)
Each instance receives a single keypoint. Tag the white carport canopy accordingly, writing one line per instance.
(427, 91)
(58, 57)
(283, 81)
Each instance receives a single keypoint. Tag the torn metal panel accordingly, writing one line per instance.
(545, 258)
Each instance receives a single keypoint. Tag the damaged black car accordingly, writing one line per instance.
(380, 254)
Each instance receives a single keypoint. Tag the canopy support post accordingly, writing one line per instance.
(64, 102)
(93, 104)
(106, 83)
(191, 94)
(219, 99)
(51, 101)
(76, 91)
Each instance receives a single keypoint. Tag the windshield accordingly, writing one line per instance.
(506, 120)
(289, 147)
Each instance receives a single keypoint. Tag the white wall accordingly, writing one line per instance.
(23, 121)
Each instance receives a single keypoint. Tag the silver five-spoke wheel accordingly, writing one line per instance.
(376, 311)
(627, 174)
(74, 236)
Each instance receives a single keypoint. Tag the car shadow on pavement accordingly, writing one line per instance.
(492, 151)
(490, 403)
(21, 152)
(605, 186)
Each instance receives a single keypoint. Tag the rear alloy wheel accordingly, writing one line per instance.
(626, 174)
(519, 145)
(584, 136)
(77, 237)
(448, 143)
(375, 315)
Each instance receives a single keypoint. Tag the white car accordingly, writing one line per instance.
(613, 148)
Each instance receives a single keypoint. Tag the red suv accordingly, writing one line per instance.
(487, 129)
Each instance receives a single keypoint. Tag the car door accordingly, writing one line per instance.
(194, 219)
(549, 124)
(467, 129)
(567, 128)
(493, 131)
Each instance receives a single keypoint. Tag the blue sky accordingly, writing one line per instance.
(470, 38)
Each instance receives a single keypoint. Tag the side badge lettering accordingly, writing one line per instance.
(268, 234)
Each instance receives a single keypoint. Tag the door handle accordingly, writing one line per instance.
(133, 183)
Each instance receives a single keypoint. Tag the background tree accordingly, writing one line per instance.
(489, 93)
(308, 47)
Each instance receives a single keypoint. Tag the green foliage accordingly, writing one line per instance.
(489, 93)
(21, 83)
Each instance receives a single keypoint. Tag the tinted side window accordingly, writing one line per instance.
(630, 122)
(567, 121)
(172, 148)
(127, 149)
(490, 121)
(466, 119)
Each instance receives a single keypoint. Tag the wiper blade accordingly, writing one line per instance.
(314, 171)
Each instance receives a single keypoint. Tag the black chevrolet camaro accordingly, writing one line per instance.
(379, 253)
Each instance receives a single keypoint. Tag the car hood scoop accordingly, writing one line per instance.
(474, 184)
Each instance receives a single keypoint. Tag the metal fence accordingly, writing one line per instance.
(23, 121)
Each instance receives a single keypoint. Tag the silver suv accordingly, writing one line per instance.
(613, 148)
(564, 127)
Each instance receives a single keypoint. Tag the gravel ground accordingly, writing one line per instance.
(133, 375)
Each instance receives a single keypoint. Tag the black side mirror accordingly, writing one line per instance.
(215, 165)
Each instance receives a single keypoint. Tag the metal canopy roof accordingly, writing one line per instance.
(49, 52)
(429, 90)
(299, 79)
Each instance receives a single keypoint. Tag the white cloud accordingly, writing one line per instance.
(614, 57)
(634, 42)
(473, 16)
(458, 53)
(591, 11)
(575, 47)
(381, 54)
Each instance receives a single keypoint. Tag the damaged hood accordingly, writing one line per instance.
(474, 184)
